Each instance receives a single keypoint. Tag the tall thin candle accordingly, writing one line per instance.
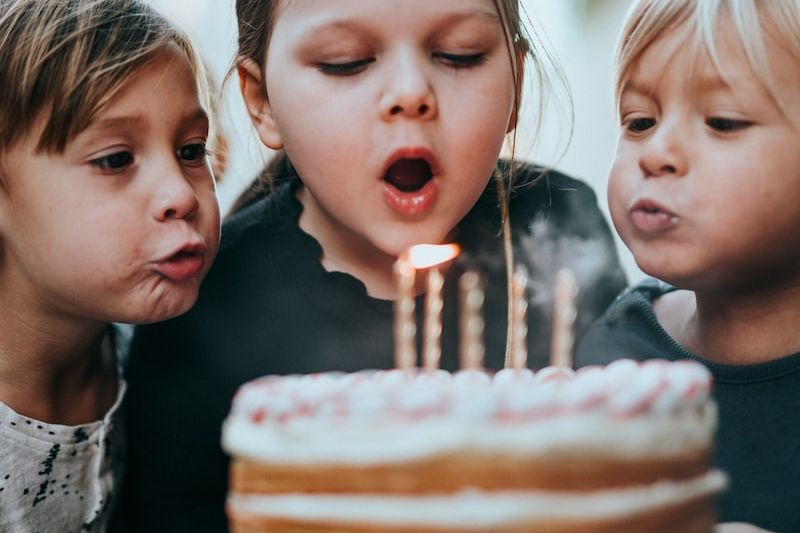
(564, 314)
(519, 330)
(471, 321)
(405, 325)
(432, 347)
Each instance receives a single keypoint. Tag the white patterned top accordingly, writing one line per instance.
(60, 478)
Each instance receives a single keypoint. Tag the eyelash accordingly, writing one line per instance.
(193, 154)
(113, 163)
(354, 67)
(344, 69)
(461, 60)
(718, 124)
(725, 125)
(639, 125)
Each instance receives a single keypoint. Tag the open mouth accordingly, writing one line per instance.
(408, 175)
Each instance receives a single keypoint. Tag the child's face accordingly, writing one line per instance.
(123, 225)
(393, 112)
(705, 186)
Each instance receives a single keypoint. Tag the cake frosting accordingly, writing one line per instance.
(473, 450)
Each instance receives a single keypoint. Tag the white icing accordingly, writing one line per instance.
(310, 441)
(627, 409)
(477, 510)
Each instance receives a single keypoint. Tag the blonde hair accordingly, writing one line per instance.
(750, 20)
(66, 59)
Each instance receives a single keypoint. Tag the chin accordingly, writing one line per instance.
(163, 309)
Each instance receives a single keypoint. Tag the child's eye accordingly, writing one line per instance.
(638, 125)
(727, 124)
(115, 162)
(460, 60)
(193, 153)
(345, 69)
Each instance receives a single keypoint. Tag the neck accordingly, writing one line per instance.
(346, 252)
(736, 329)
(53, 369)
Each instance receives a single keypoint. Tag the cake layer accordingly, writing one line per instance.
(685, 506)
(454, 471)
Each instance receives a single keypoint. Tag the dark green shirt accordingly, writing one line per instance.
(759, 410)
(269, 307)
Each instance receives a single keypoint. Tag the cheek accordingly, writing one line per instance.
(619, 186)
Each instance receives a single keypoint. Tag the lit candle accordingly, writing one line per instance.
(405, 324)
(432, 347)
(471, 321)
(519, 330)
(564, 314)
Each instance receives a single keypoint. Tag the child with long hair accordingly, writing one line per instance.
(391, 116)
(108, 214)
(704, 191)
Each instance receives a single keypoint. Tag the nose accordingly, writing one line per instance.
(409, 92)
(665, 152)
(175, 198)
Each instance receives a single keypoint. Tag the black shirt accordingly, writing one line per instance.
(269, 307)
(759, 410)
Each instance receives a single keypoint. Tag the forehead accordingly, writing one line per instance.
(168, 72)
(681, 56)
(388, 14)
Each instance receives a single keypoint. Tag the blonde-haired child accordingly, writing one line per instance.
(704, 191)
(107, 214)
(392, 115)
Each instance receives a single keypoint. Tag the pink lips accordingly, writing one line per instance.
(417, 201)
(651, 217)
(185, 264)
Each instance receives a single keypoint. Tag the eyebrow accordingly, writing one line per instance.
(133, 121)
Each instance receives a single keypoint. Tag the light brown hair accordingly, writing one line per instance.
(64, 60)
(256, 19)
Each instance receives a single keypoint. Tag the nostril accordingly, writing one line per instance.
(423, 108)
(395, 110)
(170, 213)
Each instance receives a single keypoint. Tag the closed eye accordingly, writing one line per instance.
(460, 60)
(727, 124)
(345, 69)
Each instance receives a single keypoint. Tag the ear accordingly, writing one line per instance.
(519, 78)
(254, 92)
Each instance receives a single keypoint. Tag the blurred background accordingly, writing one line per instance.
(579, 128)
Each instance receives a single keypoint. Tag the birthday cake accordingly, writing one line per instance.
(619, 448)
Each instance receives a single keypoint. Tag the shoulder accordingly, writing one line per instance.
(531, 179)
(540, 194)
(266, 215)
(628, 328)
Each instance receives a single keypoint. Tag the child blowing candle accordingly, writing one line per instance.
(704, 191)
(391, 117)
(108, 214)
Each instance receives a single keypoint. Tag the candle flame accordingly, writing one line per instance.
(429, 255)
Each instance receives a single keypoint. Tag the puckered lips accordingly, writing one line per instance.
(185, 263)
(651, 217)
(410, 184)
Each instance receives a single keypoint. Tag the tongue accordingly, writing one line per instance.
(409, 174)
